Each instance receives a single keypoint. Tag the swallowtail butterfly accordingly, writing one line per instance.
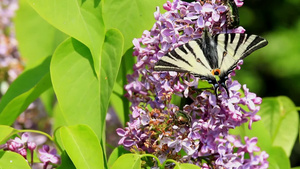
(212, 57)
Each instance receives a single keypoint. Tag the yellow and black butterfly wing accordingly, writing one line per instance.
(189, 58)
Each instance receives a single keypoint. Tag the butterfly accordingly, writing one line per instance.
(211, 57)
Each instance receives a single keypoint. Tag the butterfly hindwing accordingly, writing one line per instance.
(186, 58)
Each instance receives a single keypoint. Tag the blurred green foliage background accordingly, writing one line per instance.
(275, 69)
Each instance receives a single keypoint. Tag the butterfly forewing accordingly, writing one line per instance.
(199, 58)
(253, 43)
(234, 47)
(184, 59)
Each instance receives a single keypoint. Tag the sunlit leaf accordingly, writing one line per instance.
(116, 153)
(82, 146)
(83, 98)
(12, 160)
(131, 17)
(278, 159)
(128, 161)
(37, 39)
(281, 119)
(119, 102)
(80, 19)
(186, 166)
(5, 132)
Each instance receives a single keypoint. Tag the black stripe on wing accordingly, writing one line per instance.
(257, 43)
(240, 41)
(166, 66)
(199, 45)
(183, 49)
(188, 46)
(174, 55)
(225, 41)
(232, 67)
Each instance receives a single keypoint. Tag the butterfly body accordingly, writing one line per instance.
(211, 58)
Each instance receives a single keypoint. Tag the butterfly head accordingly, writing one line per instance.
(218, 81)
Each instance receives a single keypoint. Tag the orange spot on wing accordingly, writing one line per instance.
(216, 72)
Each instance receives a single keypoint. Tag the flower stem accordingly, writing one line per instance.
(31, 151)
(36, 131)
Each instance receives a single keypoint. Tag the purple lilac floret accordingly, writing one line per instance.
(48, 156)
(202, 138)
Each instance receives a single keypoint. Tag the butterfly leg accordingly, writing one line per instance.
(225, 87)
(215, 84)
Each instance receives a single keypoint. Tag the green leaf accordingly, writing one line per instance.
(82, 146)
(119, 102)
(278, 159)
(131, 17)
(76, 85)
(58, 115)
(58, 140)
(186, 166)
(5, 133)
(83, 98)
(12, 160)
(37, 39)
(128, 161)
(116, 153)
(23, 91)
(281, 119)
(110, 64)
(80, 19)
(258, 130)
(66, 162)
(48, 99)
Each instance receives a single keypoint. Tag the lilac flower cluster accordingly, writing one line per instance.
(10, 63)
(198, 132)
(20, 146)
